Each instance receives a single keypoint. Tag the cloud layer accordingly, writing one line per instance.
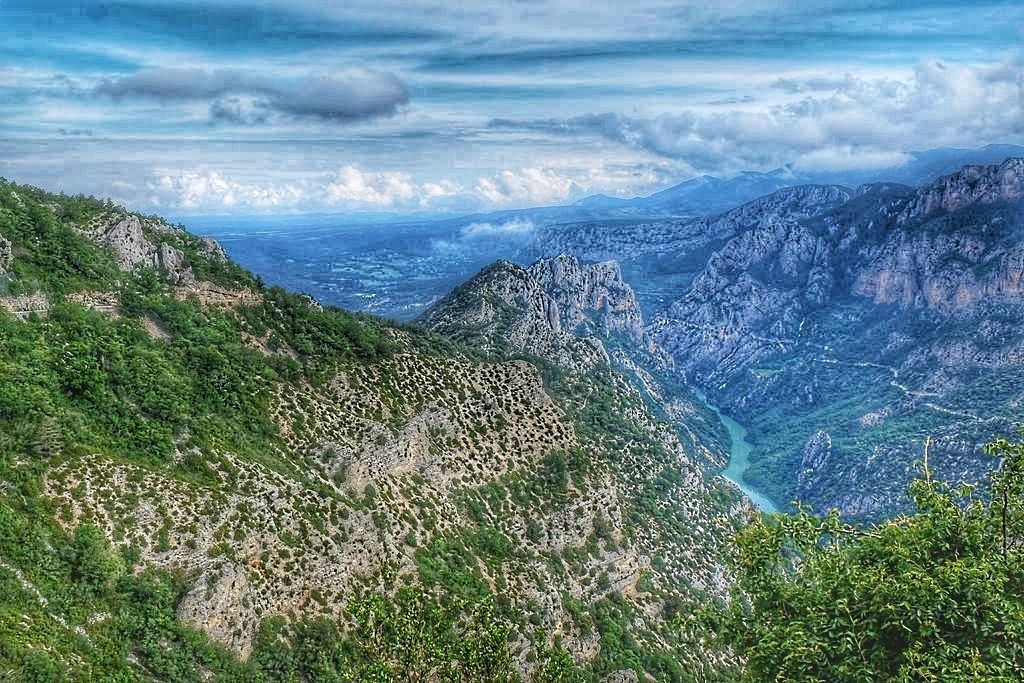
(834, 124)
(353, 189)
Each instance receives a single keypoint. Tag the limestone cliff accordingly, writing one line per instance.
(555, 308)
(899, 304)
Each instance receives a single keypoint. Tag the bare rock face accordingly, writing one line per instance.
(972, 184)
(214, 602)
(557, 308)
(132, 248)
(920, 250)
(129, 244)
(589, 296)
(5, 254)
(899, 306)
(943, 272)
(211, 249)
(172, 262)
(950, 267)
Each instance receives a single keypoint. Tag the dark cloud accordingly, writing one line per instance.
(362, 94)
(242, 97)
(177, 84)
(242, 110)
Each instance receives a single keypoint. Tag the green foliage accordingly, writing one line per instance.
(116, 390)
(412, 636)
(328, 334)
(48, 255)
(95, 566)
(934, 596)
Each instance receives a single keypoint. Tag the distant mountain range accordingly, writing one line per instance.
(707, 195)
(841, 323)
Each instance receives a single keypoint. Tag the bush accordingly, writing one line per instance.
(937, 595)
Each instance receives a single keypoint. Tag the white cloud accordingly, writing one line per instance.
(516, 227)
(527, 186)
(211, 190)
(826, 122)
(397, 190)
(848, 158)
(353, 189)
(386, 189)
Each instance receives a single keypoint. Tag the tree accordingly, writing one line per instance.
(934, 596)
(96, 566)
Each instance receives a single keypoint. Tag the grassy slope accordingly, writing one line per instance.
(78, 385)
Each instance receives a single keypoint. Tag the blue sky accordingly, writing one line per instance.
(433, 105)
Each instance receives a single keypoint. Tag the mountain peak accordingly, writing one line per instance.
(556, 309)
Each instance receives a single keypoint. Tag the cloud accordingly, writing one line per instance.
(352, 188)
(845, 122)
(179, 84)
(243, 97)
(245, 110)
(834, 159)
(358, 94)
(75, 132)
(516, 227)
(211, 190)
(386, 189)
(525, 186)
(391, 189)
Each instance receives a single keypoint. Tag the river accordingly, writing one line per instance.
(739, 457)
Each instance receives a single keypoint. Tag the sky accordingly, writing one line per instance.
(292, 106)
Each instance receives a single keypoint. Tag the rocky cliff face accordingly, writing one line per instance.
(897, 303)
(5, 254)
(596, 241)
(586, 297)
(971, 185)
(891, 246)
(817, 457)
(133, 248)
(557, 307)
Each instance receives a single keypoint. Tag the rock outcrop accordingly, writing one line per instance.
(133, 249)
(556, 307)
(589, 296)
(151, 243)
(211, 249)
(6, 254)
(816, 459)
(971, 185)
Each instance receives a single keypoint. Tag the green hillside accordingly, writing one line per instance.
(208, 479)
